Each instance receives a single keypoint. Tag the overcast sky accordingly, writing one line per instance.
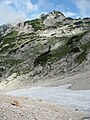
(12, 11)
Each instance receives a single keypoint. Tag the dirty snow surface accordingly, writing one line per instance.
(79, 99)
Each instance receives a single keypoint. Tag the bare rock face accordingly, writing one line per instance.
(53, 18)
(23, 27)
(40, 48)
(5, 29)
(86, 38)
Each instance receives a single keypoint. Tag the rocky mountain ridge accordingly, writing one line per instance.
(51, 45)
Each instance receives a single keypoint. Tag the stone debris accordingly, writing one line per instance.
(15, 103)
(34, 110)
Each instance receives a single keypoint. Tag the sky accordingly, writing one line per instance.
(13, 11)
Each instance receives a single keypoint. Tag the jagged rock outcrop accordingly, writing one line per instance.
(5, 29)
(52, 18)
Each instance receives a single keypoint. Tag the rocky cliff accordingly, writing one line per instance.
(49, 46)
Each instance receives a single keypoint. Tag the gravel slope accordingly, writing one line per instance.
(59, 95)
(21, 108)
(80, 81)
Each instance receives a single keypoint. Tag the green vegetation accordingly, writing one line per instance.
(81, 57)
(78, 23)
(69, 18)
(88, 22)
(37, 24)
(12, 34)
(75, 50)
(9, 37)
(28, 34)
(57, 12)
(58, 53)
(7, 48)
(42, 59)
(86, 46)
(69, 46)
(32, 46)
(75, 39)
(73, 45)
(59, 24)
(54, 55)
(24, 71)
(11, 62)
(53, 40)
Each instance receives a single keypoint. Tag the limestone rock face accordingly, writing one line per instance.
(23, 27)
(48, 46)
(5, 29)
(53, 18)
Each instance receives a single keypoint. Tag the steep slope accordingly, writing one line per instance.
(49, 46)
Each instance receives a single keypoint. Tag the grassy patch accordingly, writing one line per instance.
(22, 71)
(88, 22)
(37, 24)
(6, 48)
(9, 37)
(58, 53)
(42, 59)
(75, 50)
(81, 57)
(11, 62)
(69, 18)
(78, 23)
(55, 54)
(57, 12)
(12, 34)
(75, 39)
(86, 46)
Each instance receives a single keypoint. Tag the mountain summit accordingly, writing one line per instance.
(52, 18)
